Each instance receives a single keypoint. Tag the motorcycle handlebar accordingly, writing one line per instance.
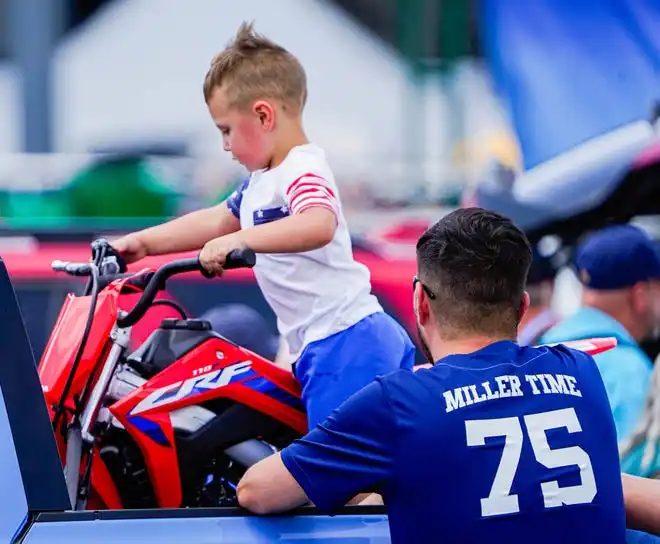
(244, 258)
(73, 269)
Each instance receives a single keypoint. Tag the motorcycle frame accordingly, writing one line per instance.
(146, 412)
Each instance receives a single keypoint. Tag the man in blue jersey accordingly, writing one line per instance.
(494, 443)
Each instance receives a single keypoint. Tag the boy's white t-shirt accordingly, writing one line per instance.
(316, 293)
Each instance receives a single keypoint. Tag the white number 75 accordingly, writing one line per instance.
(499, 501)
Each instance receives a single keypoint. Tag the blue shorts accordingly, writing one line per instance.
(332, 369)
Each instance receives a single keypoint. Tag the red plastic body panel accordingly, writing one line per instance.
(60, 352)
(59, 355)
(103, 487)
(214, 369)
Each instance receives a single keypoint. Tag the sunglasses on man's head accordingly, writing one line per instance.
(428, 292)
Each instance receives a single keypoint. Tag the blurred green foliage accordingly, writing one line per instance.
(110, 192)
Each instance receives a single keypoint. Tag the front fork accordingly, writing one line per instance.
(79, 436)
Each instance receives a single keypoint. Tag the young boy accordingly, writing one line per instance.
(288, 211)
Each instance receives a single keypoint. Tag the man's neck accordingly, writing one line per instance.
(534, 311)
(442, 348)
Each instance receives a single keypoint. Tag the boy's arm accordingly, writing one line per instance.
(311, 229)
(314, 211)
(308, 230)
(185, 233)
(313, 204)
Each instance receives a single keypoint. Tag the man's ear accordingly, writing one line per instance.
(524, 305)
(422, 306)
(639, 297)
(265, 113)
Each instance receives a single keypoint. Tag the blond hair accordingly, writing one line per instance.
(252, 67)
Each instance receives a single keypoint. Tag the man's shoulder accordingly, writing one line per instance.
(406, 377)
(570, 360)
(412, 390)
(404, 385)
(444, 374)
(564, 352)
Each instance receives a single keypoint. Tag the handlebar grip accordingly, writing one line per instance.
(239, 258)
(73, 269)
(59, 266)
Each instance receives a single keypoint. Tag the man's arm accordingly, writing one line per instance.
(351, 452)
(268, 487)
(642, 498)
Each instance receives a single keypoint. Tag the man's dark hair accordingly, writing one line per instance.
(475, 262)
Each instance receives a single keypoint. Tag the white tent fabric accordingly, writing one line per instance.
(136, 71)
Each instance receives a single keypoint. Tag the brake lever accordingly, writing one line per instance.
(103, 254)
(110, 265)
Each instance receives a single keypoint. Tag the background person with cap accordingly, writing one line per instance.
(619, 268)
(640, 452)
(540, 285)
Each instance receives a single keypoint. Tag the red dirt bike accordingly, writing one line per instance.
(174, 423)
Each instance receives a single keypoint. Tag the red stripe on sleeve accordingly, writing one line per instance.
(309, 177)
(316, 192)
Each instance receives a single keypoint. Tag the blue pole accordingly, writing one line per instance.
(34, 26)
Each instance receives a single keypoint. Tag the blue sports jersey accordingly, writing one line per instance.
(507, 444)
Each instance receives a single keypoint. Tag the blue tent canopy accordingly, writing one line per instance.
(570, 71)
(600, 181)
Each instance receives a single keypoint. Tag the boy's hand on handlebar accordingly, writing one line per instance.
(130, 248)
(214, 253)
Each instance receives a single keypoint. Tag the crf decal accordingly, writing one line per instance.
(203, 382)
